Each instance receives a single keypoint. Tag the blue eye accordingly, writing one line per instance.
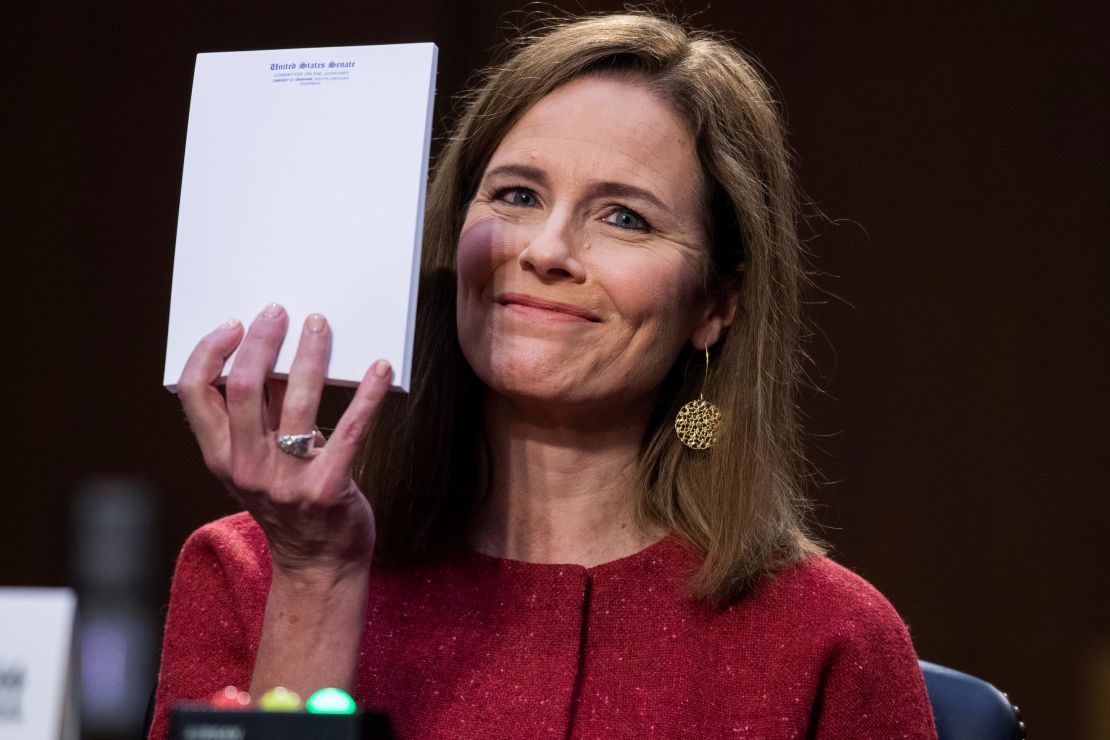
(517, 197)
(626, 219)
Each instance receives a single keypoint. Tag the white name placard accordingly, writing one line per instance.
(37, 664)
(303, 184)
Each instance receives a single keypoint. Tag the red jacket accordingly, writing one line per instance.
(478, 647)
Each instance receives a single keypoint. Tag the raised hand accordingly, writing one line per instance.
(319, 526)
(317, 522)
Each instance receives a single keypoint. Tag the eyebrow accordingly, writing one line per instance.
(603, 188)
(520, 170)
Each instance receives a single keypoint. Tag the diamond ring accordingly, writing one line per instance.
(297, 445)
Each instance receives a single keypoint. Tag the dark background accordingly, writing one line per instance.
(958, 152)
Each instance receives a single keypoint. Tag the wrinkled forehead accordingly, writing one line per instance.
(607, 127)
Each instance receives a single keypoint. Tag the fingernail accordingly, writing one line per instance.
(315, 322)
(272, 311)
(381, 368)
(230, 324)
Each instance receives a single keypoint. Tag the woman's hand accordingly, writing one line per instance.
(318, 523)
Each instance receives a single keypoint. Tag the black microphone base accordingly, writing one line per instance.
(198, 722)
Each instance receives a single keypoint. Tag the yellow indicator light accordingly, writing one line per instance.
(280, 699)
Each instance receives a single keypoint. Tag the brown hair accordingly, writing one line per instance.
(739, 502)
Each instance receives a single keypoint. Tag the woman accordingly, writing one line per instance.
(614, 209)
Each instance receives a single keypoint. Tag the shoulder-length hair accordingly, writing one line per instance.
(740, 502)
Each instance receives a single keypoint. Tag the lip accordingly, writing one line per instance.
(557, 309)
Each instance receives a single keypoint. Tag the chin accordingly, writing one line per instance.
(560, 368)
(536, 373)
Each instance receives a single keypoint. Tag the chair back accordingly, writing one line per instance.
(969, 708)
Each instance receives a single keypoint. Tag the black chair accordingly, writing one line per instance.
(969, 708)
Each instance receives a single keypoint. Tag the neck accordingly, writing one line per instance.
(562, 486)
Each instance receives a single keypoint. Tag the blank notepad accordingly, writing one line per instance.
(304, 181)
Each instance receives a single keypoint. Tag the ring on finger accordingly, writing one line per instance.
(297, 445)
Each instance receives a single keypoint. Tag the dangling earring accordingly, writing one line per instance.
(698, 422)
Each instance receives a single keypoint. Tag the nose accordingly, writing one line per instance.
(552, 251)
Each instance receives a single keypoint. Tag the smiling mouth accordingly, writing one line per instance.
(529, 302)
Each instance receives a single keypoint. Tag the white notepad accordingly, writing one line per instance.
(304, 181)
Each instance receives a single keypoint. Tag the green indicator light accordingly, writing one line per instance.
(331, 701)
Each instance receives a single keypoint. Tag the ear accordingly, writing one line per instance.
(716, 316)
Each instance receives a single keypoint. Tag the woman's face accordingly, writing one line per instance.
(579, 260)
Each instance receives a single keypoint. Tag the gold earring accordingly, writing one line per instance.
(698, 422)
